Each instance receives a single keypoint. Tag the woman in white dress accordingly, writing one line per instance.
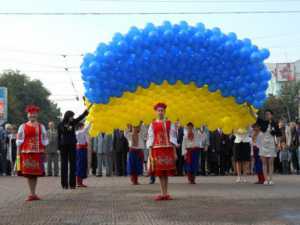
(271, 136)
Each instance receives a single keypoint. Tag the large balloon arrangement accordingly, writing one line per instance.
(203, 75)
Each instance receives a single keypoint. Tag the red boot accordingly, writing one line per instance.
(190, 178)
(193, 179)
(78, 181)
(262, 178)
(136, 180)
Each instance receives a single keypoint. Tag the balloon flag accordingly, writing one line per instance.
(203, 75)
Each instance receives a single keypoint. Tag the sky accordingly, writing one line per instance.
(35, 44)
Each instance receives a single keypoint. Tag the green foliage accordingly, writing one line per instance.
(23, 91)
(285, 105)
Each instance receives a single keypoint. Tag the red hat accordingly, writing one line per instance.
(160, 105)
(32, 109)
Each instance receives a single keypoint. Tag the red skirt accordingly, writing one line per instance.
(163, 162)
(31, 164)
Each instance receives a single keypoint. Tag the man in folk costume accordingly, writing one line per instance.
(82, 154)
(32, 139)
(135, 160)
(191, 151)
(161, 142)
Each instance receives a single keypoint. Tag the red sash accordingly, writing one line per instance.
(81, 146)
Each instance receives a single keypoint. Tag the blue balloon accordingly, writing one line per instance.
(239, 100)
(176, 52)
(183, 25)
(117, 37)
(265, 53)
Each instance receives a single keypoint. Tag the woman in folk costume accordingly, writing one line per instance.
(135, 160)
(256, 140)
(191, 151)
(82, 154)
(32, 139)
(161, 143)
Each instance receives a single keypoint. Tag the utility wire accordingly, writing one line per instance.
(191, 1)
(6, 13)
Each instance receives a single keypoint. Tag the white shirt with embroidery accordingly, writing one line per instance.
(82, 136)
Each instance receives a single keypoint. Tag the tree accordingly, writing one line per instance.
(21, 92)
(285, 105)
(275, 104)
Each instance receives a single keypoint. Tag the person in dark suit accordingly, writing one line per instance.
(179, 161)
(120, 148)
(67, 146)
(218, 153)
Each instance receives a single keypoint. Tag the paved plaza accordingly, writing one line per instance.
(214, 200)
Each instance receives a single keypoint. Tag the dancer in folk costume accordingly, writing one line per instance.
(82, 154)
(191, 150)
(32, 139)
(135, 159)
(161, 143)
(256, 141)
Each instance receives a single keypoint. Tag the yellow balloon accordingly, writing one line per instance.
(185, 102)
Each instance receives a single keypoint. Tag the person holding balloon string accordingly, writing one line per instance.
(191, 151)
(161, 141)
(67, 146)
(135, 159)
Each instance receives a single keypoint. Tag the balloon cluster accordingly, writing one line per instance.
(177, 52)
(186, 102)
(200, 58)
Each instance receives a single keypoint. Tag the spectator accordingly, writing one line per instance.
(218, 151)
(12, 149)
(292, 142)
(93, 157)
(98, 147)
(3, 152)
(204, 144)
(180, 160)
(285, 157)
(52, 150)
(242, 154)
(67, 146)
(120, 146)
(108, 154)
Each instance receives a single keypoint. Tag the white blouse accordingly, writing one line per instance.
(21, 135)
(242, 136)
(172, 136)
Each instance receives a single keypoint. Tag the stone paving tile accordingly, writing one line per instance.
(113, 201)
